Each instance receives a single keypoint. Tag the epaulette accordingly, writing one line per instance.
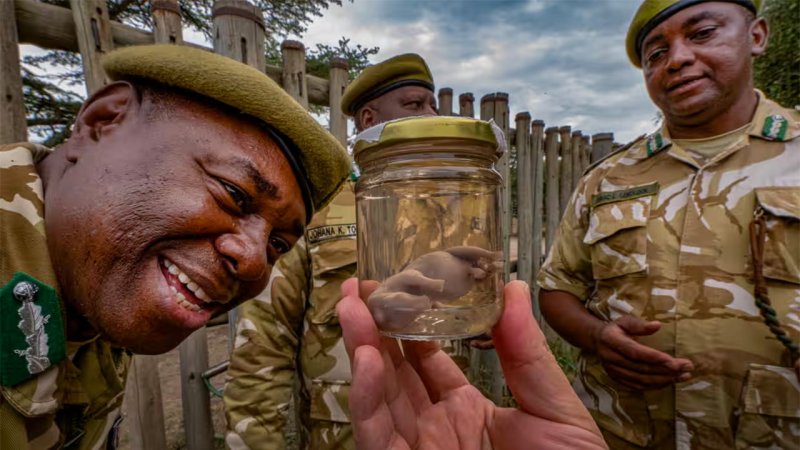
(610, 154)
(775, 127)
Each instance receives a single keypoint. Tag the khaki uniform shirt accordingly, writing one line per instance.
(71, 399)
(290, 331)
(650, 232)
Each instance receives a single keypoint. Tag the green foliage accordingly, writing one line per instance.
(777, 72)
(52, 106)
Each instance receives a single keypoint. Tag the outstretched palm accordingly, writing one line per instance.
(418, 397)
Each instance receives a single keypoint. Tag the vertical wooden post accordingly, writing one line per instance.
(294, 71)
(552, 203)
(445, 102)
(466, 105)
(487, 107)
(144, 404)
(525, 211)
(238, 32)
(196, 399)
(501, 118)
(167, 21)
(12, 105)
(338, 82)
(537, 152)
(565, 168)
(586, 153)
(93, 30)
(577, 142)
(601, 145)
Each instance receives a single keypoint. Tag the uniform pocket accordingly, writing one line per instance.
(617, 237)
(781, 207)
(769, 409)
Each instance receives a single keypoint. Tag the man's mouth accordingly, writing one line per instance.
(684, 83)
(187, 292)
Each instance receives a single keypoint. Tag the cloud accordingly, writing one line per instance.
(562, 60)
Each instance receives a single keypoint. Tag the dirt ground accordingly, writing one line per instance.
(169, 372)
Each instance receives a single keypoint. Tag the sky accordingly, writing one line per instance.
(563, 61)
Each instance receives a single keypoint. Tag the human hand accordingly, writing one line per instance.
(482, 342)
(419, 398)
(633, 364)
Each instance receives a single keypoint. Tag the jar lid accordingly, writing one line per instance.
(428, 128)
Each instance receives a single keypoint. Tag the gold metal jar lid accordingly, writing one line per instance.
(429, 128)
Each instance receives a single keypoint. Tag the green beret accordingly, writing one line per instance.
(653, 12)
(320, 162)
(402, 70)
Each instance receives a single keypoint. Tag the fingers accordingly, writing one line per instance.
(373, 425)
(642, 381)
(358, 327)
(635, 326)
(438, 372)
(531, 371)
(614, 337)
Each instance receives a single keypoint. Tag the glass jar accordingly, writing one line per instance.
(428, 225)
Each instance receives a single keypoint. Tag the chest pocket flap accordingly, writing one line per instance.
(782, 248)
(617, 236)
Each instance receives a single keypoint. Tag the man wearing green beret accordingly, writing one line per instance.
(183, 182)
(291, 330)
(676, 266)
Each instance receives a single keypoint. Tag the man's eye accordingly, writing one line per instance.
(238, 196)
(280, 245)
(704, 33)
(654, 55)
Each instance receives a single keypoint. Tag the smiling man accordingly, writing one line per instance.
(183, 182)
(672, 250)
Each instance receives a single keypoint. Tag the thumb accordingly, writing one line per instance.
(635, 326)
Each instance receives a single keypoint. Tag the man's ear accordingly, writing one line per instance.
(105, 110)
(759, 35)
(367, 117)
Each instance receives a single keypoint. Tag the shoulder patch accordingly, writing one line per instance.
(33, 336)
(624, 194)
(775, 127)
(655, 143)
(329, 232)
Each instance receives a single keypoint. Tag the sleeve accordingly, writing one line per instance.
(568, 266)
(260, 379)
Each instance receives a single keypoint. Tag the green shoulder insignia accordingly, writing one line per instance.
(655, 143)
(355, 172)
(775, 127)
(32, 336)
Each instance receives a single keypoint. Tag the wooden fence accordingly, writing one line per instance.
(553, 157)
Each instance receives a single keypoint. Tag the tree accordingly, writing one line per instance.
(777, 71)
(52, 106)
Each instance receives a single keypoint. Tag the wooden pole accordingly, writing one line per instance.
(196, 399)
(445, 102)
(167, 21)
(487, 107)
(238, 32)
(586, 153)
(525, 211)
(144, 406)
(601, 145)
(143, 391)
(294, 71)
(466, 105)
(501, 118)
(552, 203)
(12, 108)
(537, 156)
(339, 80)
(577, 141)
(565, 168)
(93, 30)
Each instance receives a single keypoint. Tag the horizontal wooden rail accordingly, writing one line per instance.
(53, 27)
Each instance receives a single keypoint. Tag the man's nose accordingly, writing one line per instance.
(245, 249)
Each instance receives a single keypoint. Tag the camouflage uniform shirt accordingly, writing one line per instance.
(652, 233)
(291, 332)
(74, 403)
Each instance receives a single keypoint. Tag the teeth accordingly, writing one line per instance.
(189, 284)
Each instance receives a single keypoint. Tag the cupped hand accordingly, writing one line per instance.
(418, 397)
(634, 364)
